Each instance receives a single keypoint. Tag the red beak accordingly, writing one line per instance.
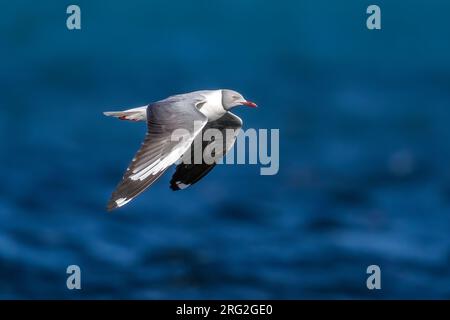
(249, 104)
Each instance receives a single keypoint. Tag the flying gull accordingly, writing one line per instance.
(194, 112)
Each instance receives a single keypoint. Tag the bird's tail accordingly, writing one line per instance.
(136, 114)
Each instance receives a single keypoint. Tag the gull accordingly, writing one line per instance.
(186, 117)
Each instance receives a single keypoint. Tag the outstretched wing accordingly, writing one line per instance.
(188, 172)
(173, 124)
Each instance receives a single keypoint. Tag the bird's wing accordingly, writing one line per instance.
(173, 124)
(188, 171)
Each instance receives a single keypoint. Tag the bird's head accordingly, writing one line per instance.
(231, 99)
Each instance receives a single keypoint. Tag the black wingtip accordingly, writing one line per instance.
(111, 205)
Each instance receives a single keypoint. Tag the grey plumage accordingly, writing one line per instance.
(192, 113)
(163, 117)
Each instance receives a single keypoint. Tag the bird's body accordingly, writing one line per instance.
(208, 102)
(173, 125)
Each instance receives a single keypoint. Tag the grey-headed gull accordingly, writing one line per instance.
(194, 112)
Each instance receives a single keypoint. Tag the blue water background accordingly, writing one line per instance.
(364, 119)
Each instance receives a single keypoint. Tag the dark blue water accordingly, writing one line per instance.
(364, 119)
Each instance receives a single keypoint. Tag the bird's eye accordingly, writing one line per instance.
(235, 97)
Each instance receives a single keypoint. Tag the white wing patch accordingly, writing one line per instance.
(160, 164)
(181, 185)
(122, 201)
(144, 171)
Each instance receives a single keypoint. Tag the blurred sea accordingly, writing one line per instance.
(364, 157)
